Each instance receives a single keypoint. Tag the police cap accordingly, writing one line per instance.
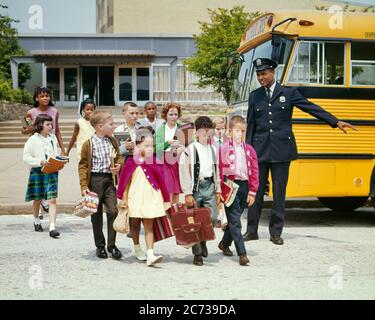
(261, 64)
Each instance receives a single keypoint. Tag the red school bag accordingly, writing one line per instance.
(192, 225)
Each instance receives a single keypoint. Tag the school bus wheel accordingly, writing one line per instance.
(343, 203)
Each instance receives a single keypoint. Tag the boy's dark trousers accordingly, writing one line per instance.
(234, 212)
(205, 197)
(102, 184)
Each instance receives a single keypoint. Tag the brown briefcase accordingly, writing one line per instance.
(191, 225)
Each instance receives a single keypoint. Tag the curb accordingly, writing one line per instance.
(19, 209)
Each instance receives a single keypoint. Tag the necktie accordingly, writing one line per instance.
(268, 93)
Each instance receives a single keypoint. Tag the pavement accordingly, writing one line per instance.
(14, 174)
(326, 255)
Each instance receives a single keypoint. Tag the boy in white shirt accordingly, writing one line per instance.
(199, 177)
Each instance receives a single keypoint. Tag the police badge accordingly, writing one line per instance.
(282, 99)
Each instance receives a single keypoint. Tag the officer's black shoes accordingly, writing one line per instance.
(54, 234)
(38, 227)
(204, 249)
(277, 240)
(101, 253)
(247, 236)
(115, 252)
(198, 260)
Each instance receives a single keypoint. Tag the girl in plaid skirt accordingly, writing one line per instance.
(42, 186)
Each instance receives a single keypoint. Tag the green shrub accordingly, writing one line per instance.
(14, 95)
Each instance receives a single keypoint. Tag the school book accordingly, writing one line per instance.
(228, 192)
(56, 164)
(26, 122)
(122, 136)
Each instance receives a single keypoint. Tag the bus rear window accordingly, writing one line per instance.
(363, 63)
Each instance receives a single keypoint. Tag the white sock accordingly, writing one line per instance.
(37, 221)
(137, 248)
(52, 226)
(150, 253)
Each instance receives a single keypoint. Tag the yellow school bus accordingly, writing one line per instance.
(330, 58)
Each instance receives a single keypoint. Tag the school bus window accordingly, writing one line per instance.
(363, 63)
(318, 63)
(242, 74)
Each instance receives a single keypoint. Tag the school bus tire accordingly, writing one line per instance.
(343, 203)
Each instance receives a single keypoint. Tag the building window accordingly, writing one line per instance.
(187, 89)
(143, 84)
(161, 83)
(70, 84)
(363, 63)
(53, 82)
(126, 87)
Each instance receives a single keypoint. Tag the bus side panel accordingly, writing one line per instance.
(329, 178)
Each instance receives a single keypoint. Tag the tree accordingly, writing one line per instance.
(9, 47)
(218, 39)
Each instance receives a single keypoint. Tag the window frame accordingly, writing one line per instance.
(320, 67)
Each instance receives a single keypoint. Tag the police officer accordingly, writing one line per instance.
(269, 131)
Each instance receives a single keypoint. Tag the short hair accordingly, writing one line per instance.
(236, 119)
(84, 103)
(169, 106)
(143, 133)
(203, 122)
(39, 122)
(127, 105)
(99, 117)
(219, 120)
(149, 102)
(39, 90)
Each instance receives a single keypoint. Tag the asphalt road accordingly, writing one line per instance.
(326, 255)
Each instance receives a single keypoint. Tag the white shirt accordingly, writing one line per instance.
(272, 88)
(205, 160)
(241, 165)
(169, 134)
(155, 124)
(38, 148)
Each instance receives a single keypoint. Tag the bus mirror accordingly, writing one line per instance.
(276, 47)
(276, 40)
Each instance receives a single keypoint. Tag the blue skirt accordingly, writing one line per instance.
(41, 186)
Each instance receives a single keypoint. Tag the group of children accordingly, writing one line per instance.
(154, 168)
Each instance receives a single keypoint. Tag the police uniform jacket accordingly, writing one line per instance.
(269, 122)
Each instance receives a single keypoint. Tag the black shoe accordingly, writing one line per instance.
(54, 234)
(115, 252)
(198, 260)
(101, 253)
(204, 249)
(277, 240)
(40, 216)
(130, 235)
(38, 227)
(247, 236)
